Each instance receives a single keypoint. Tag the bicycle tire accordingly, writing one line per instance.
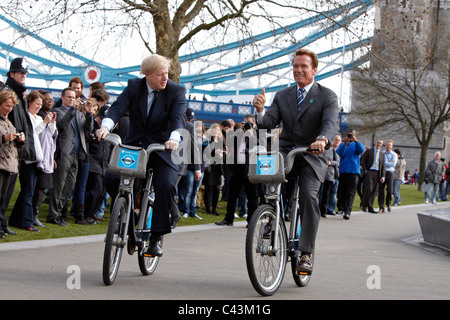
(115, 236)
(265, 269)
(148, 265)
(300, 280)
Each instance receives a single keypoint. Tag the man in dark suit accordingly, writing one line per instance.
(157, 108)
(309, 113)
(373, 172)
(73, 128)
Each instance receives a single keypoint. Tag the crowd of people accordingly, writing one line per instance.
(53, 150)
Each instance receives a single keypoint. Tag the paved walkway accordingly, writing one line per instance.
(207, 262)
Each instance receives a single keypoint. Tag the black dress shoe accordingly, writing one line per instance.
(224, 223)
(9, 231)
(57, 222)
(371, 210)
(346, 216)
(154, 250)
(364, 209)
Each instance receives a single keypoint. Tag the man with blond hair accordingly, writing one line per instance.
(157, 108)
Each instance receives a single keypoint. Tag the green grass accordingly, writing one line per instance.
(409, 194)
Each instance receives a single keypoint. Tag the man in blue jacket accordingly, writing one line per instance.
(157, 108)
(349, 171)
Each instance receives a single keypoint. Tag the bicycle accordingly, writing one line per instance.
(128, 227)
(268, 245)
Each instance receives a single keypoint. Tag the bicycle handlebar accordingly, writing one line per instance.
(291, 157)
(115, 140)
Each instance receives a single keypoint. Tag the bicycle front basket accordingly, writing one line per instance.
(266, 167)
(128, 161)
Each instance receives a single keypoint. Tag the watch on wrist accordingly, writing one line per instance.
(322, 138)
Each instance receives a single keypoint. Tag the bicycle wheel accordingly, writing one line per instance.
(265, 264)
(300, 279)
(148, 265)
(114, 241)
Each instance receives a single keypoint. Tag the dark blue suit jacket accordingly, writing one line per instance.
(166, 115)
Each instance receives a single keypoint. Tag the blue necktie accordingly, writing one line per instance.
(300, 97)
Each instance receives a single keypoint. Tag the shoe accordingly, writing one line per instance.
(90, 220)
(434, 202)
(339, 212)
(364, 209)
(371, 210)
(32, 229)
(389, 208)
(323, 215)
(154, 250)
(427, 201)
(198, 217)
(185, 215)
(224, 223)
(304, 264)
(97, 218)
(330, 213)
(9, 231)
(37, 223)
(346, 216)
(57, 221)
(215, 213)
(381, 210)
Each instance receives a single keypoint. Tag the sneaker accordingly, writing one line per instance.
(198, 217)
(185, 215)
(305, 264)
(434, 202)
(32, 229)
(427, 201)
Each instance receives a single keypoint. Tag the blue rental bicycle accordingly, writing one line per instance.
(268, 246)
(129, 227)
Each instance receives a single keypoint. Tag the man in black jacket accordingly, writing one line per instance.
(18, 116)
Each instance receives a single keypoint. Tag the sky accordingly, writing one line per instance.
(130, 51)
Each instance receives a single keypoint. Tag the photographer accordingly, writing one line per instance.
(349, 171)
(73, 127)
(237, 162)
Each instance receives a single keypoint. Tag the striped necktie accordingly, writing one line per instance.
(300, 97)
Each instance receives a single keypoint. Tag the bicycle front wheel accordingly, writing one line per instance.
(266, 264)
(148, 265)
(115, 240)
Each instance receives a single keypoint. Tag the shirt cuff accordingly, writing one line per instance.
(260, 116)
(107, 122)
(175, 135)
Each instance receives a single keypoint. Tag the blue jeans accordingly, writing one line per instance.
(191, 188)
(435, 187)
(332, 198)
(397, 197)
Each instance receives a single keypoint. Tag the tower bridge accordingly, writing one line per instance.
(272, 70)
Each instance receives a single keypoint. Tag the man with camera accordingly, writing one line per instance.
(349, 171)
(237, 162)
(73, 128)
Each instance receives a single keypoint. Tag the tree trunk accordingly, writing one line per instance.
(422, 165)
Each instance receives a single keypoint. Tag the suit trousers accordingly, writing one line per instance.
(238, 179)
(389, 185)
(64, 178)
(371, 181)
(165, 179)
(309, 187)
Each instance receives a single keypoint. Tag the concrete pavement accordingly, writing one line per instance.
(370, 256)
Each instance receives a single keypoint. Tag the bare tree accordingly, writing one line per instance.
(164, 26)
(405, 89)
